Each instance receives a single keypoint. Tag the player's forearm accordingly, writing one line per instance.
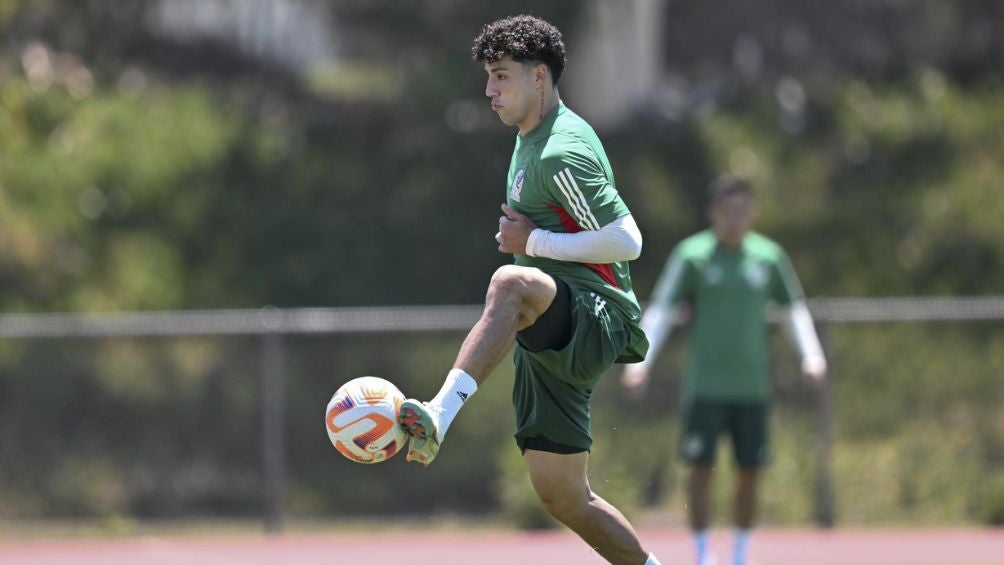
(619, 240)
(803, 331)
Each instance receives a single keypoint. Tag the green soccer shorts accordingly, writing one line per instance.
(745, 422)
(553, 385)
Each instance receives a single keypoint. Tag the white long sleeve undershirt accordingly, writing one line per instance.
(620, 240)
(657, 323)
(803, 333)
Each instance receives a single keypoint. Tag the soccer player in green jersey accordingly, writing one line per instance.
(566, 304)
(726, 275)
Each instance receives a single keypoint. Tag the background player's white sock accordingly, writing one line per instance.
(652, 560)
(701, 546)
(458, 387)
(739, 550)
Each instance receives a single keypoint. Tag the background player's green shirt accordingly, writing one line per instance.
(728, 290)
(560, 178)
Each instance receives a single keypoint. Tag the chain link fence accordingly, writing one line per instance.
(270, 331)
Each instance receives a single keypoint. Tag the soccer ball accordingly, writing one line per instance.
(361, 420)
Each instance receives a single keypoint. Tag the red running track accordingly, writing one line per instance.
(768, 547)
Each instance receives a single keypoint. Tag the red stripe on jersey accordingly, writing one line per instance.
(606, 272)
(566, 219)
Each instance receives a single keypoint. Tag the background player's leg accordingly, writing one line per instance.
(516, 297)
(698, 491)
(745, 512)
(748, 426)
(699, 511)
(745, 509)
(703, 422)
(561, 483)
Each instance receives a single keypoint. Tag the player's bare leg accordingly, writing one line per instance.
(516, 297)
(698, 498)
(745, 509)
(699, 509)
(561, 484)
(745, 512)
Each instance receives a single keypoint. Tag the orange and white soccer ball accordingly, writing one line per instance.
(361, 420)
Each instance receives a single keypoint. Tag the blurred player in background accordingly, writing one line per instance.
(726, 275)
(566, 304)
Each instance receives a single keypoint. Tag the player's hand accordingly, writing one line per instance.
(814, 371)
(514, 231)
(635, 381)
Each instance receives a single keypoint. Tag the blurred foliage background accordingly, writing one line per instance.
(172, 154)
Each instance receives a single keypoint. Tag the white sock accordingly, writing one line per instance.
(652, 560)
(739, 550)
(701, 545)
(457, 389)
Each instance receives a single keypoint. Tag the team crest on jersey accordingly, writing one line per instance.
(756, 274)
(517, 185)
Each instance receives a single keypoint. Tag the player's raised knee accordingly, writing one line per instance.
(516, 280)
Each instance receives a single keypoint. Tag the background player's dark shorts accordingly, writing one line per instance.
(746, 423)
(553, 387)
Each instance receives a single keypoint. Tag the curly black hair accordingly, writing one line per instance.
(524, 38)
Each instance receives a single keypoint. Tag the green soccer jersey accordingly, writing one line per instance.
(560, 178)
(728, 290)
